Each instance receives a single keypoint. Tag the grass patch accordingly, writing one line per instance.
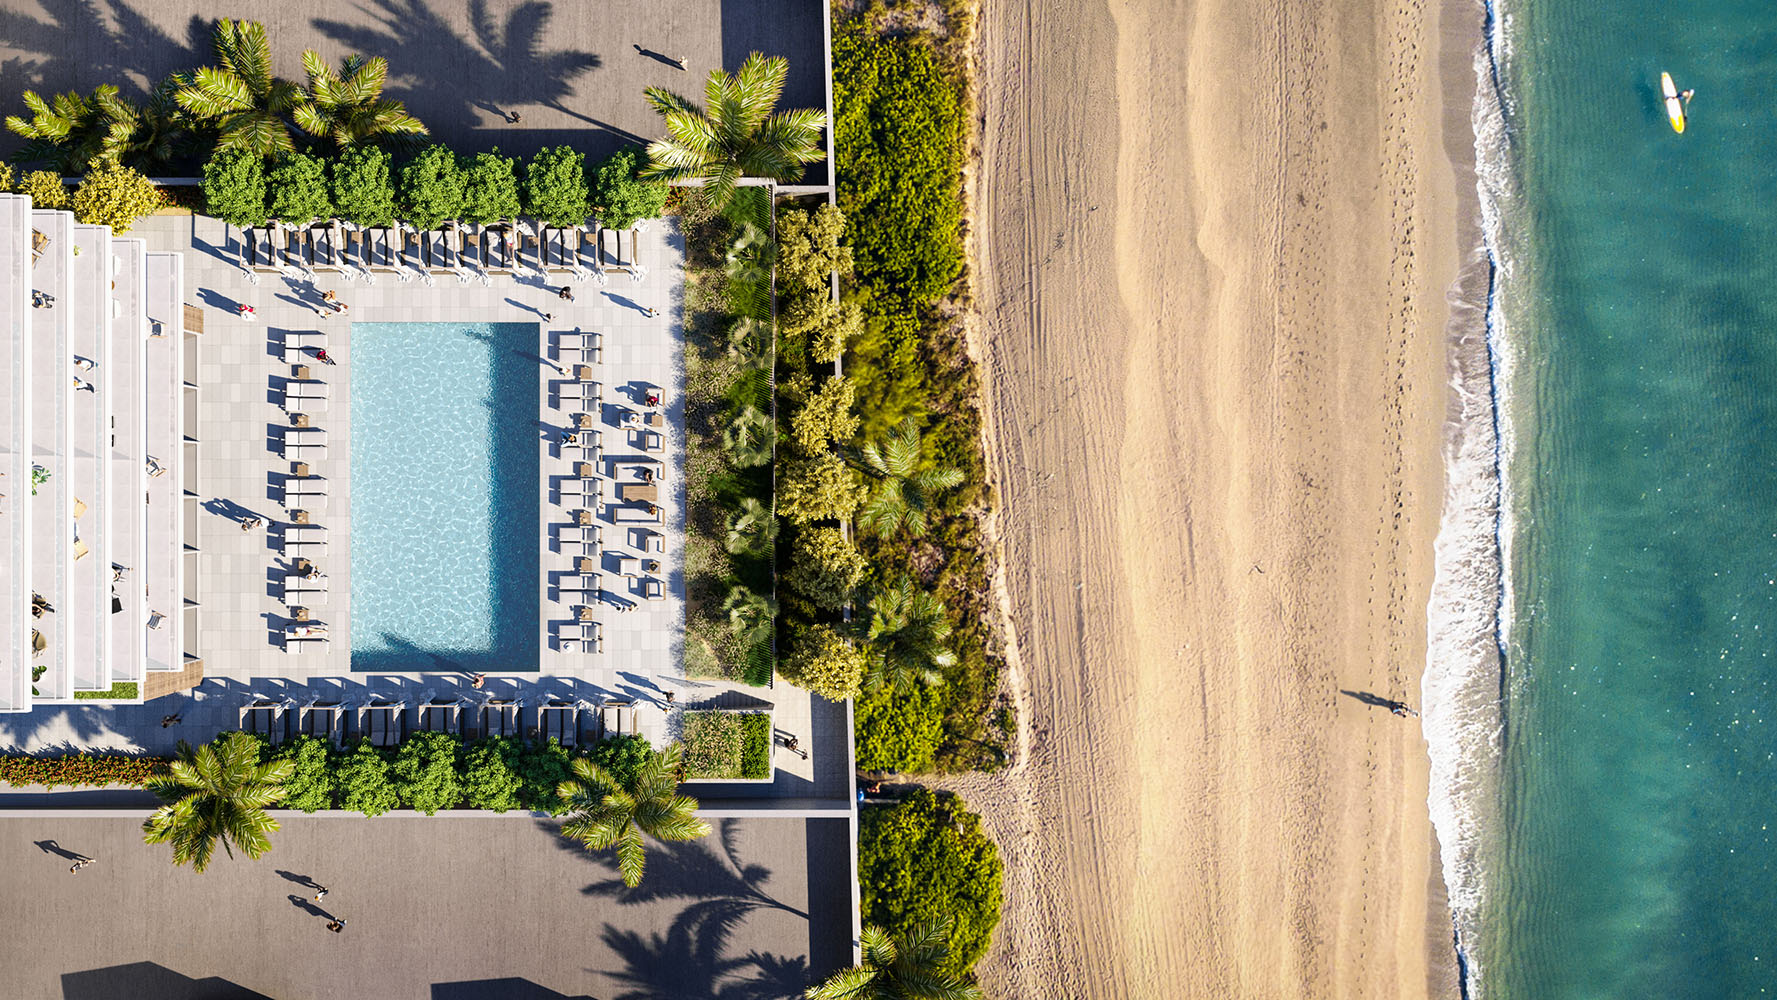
(120, 691)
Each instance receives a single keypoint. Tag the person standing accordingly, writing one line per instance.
(320, 893)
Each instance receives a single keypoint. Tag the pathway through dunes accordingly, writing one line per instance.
(1213, 243)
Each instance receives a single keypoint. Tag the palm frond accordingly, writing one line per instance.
(857, 983)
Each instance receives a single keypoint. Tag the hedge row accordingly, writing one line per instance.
(80, 770)
(364, 186)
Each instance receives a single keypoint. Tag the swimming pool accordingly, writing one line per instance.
(444, 496)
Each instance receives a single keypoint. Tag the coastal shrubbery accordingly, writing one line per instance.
(80, 770)
(926, 858)
(726, 744)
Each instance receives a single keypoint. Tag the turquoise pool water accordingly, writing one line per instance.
(444, 496)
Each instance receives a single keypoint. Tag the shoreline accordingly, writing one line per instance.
(1215, 385)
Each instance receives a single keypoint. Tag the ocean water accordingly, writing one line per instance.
(444, 496)
(1602, 704)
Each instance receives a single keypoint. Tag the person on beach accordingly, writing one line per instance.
(320, 893)
(336, 925)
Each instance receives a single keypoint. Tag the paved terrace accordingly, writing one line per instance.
(435, 909)
(574, 70)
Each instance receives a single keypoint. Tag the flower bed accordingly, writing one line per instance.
(80, 770)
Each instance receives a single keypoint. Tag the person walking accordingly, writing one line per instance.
(168, 721)
(247, 312)
(320, 893)
(336, 925)
(566, 293)
(548, 317)
(250, 523)
(652, 312)
(322, 356)
(79, 864)
(514, 117)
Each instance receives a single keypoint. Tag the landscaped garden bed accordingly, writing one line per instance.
(726, 746)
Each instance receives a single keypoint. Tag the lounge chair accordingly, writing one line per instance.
(560, 721)
(497, 717)
(384, 722)
(326, 248)
(580, 584)
(653, 589)
(304, 643)
(300, 346)
(442, 716)
(611, 251)
(308, 405)
(308, 388)
(618, 718)
(323, 720)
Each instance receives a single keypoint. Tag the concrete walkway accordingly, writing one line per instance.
(434, 909)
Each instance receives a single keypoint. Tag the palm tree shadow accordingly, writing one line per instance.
(689, 961)
(691, 871)
(445, 78)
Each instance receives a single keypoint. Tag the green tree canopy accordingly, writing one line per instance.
(826, 417)
(240, 97)
(310, 785)
(605, 813)
(216, 793)
(619, 194)
(810, 246)
(899, 731)
(825, 568)
(362, 190)
(737, 133)
(490, 188)
(363, 780)
(555, 187)
(822, 488)
(234, 187)
(432, 188)
(824, 662)
(908, 966)
(114, 196)
(299, 189)
(926, 860)
(348, 106)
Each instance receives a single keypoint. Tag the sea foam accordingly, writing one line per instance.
(1464, 690)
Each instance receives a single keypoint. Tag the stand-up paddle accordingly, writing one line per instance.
(1676, 103)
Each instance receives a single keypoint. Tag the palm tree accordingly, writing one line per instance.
(603, 813)
(241, 97)
(904, 492)
(907, 968)
(749, 437)
(73, 133)
(736, 134)
(217, 794)
(752, 529)
(348, 106)
(906, 637)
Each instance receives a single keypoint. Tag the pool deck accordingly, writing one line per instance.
(243, 428)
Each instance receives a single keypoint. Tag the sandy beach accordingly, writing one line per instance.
(1214, 243)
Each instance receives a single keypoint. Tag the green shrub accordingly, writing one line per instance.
(6, 176)
(899, 154)
(620, 197)
(623, 756)
(541, 768)
(490, 188)
(45, 189)
(299, 191)
(926, 858)
(425, 772)
(825, 568)
(234, 187)
(80, 770)
(311, 785)
(822, 661)
(838, 330)
(114, 196)
(363, 780)
(555, 187)
(712, 744)
(119, 691)
(899, 730)
(490, 774)
(362, 189)
(431, 189)
(755, 746)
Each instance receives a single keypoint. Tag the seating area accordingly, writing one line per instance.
(385, 723)
(455, 249)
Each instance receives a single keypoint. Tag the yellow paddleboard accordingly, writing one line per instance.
(1674, 106)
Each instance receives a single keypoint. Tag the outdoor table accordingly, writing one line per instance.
(586, 565)
(582, 421)
(583, 372)
(302, 470)
(299, 614)
(301, 372)
(299, 420)
(586, 614)
(583, 517)
(638, 491)
(653, 419)
(299, 517)
(583, 470)
(628, 565)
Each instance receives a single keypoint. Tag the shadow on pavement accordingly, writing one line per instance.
(146, 979)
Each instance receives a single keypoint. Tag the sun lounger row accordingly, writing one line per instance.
(300, 346)
(384, 723)
(304, 444)
(579, 637)
(305, 493)
(578, 349)
(499, 248)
